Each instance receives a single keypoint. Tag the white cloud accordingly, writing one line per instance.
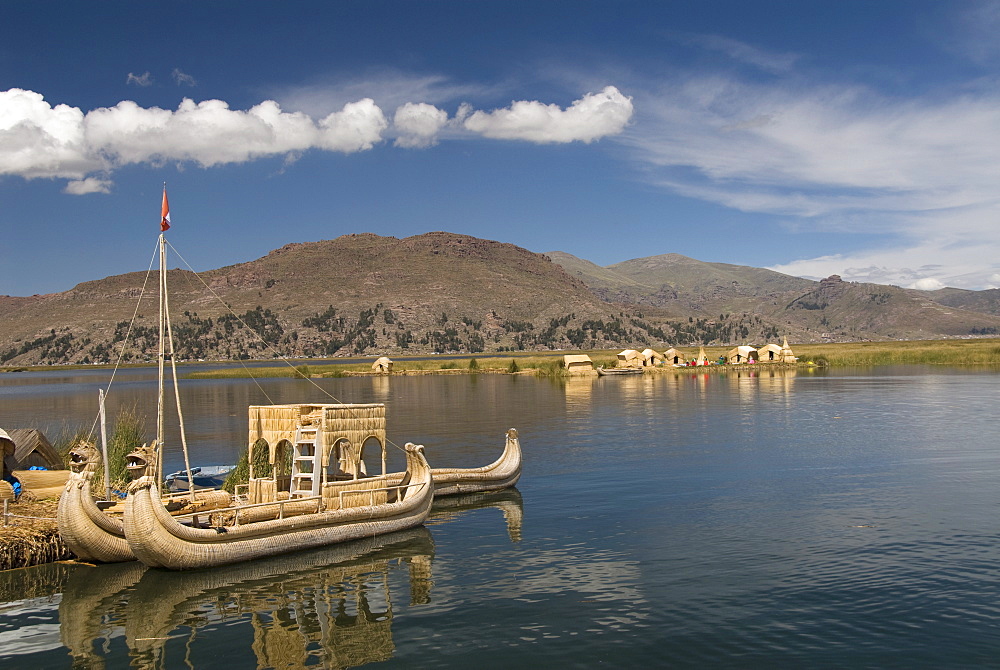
(925, 264)
(38, 140)
(88, 185)
(927, 284)
(357, 127)
(144, 79)
(590, 118)
(418, 124)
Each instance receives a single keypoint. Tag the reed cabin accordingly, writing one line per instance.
(307, 450)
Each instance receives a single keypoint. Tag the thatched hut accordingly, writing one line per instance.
(578, 364)
(25, 448)
(674, 356)
(786, 353)
(382, 364)
(702, 358)
(32, 450)
(742, 354)
(630, 358)
(650, 357)
(769, 353)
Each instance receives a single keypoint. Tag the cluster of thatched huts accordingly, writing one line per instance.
(632, 358)
(769, 353)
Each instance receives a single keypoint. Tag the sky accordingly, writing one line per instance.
(853, 137)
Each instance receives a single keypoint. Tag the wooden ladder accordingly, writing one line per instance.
(305, 462)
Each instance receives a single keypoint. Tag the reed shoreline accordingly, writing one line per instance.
(971, 352)
(958, 352)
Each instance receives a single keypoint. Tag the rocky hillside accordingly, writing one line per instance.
(987, 301)
(803, 309)
(357, 294)
(441, 292)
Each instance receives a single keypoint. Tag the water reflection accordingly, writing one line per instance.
(508, 501)
(93, 609)
(332, 607)
(579, 392)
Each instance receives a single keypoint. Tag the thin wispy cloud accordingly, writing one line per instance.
(144, 79)
(742, 52)
(389, 89)
(835, 158)
(182, 79)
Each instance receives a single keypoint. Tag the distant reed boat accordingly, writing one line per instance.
(607, 372)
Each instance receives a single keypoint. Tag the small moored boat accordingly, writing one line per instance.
(604, 372)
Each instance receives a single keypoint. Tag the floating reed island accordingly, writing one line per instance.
(956, 352)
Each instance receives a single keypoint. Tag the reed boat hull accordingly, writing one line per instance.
(160, 541)
(610, 372)
(86, 530)
(501, 474)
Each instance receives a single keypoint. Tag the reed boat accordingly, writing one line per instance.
(346, 510)
(604, 372)
(307, 461)
(95, 533)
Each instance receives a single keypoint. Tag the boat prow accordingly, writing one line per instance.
(501, 474)
(87, 531)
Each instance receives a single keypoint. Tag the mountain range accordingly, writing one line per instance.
(364, 294)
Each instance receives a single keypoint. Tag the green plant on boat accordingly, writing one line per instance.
(128, 435)
(261, 465)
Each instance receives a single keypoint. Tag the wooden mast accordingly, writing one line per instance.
(166, 350)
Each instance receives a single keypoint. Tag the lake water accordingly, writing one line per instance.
(834, 519)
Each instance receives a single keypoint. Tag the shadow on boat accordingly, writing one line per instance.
(508, 501)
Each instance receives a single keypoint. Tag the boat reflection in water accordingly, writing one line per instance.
(329, 607)
(508, 501)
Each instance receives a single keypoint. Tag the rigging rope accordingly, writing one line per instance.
(128, 334)
(266, 344)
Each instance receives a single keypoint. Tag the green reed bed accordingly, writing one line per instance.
(543, 363)
(922, 352)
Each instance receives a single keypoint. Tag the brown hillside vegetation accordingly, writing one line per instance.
(810, 311)
(353, 295)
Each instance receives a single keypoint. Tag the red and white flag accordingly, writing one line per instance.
(165, 213)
